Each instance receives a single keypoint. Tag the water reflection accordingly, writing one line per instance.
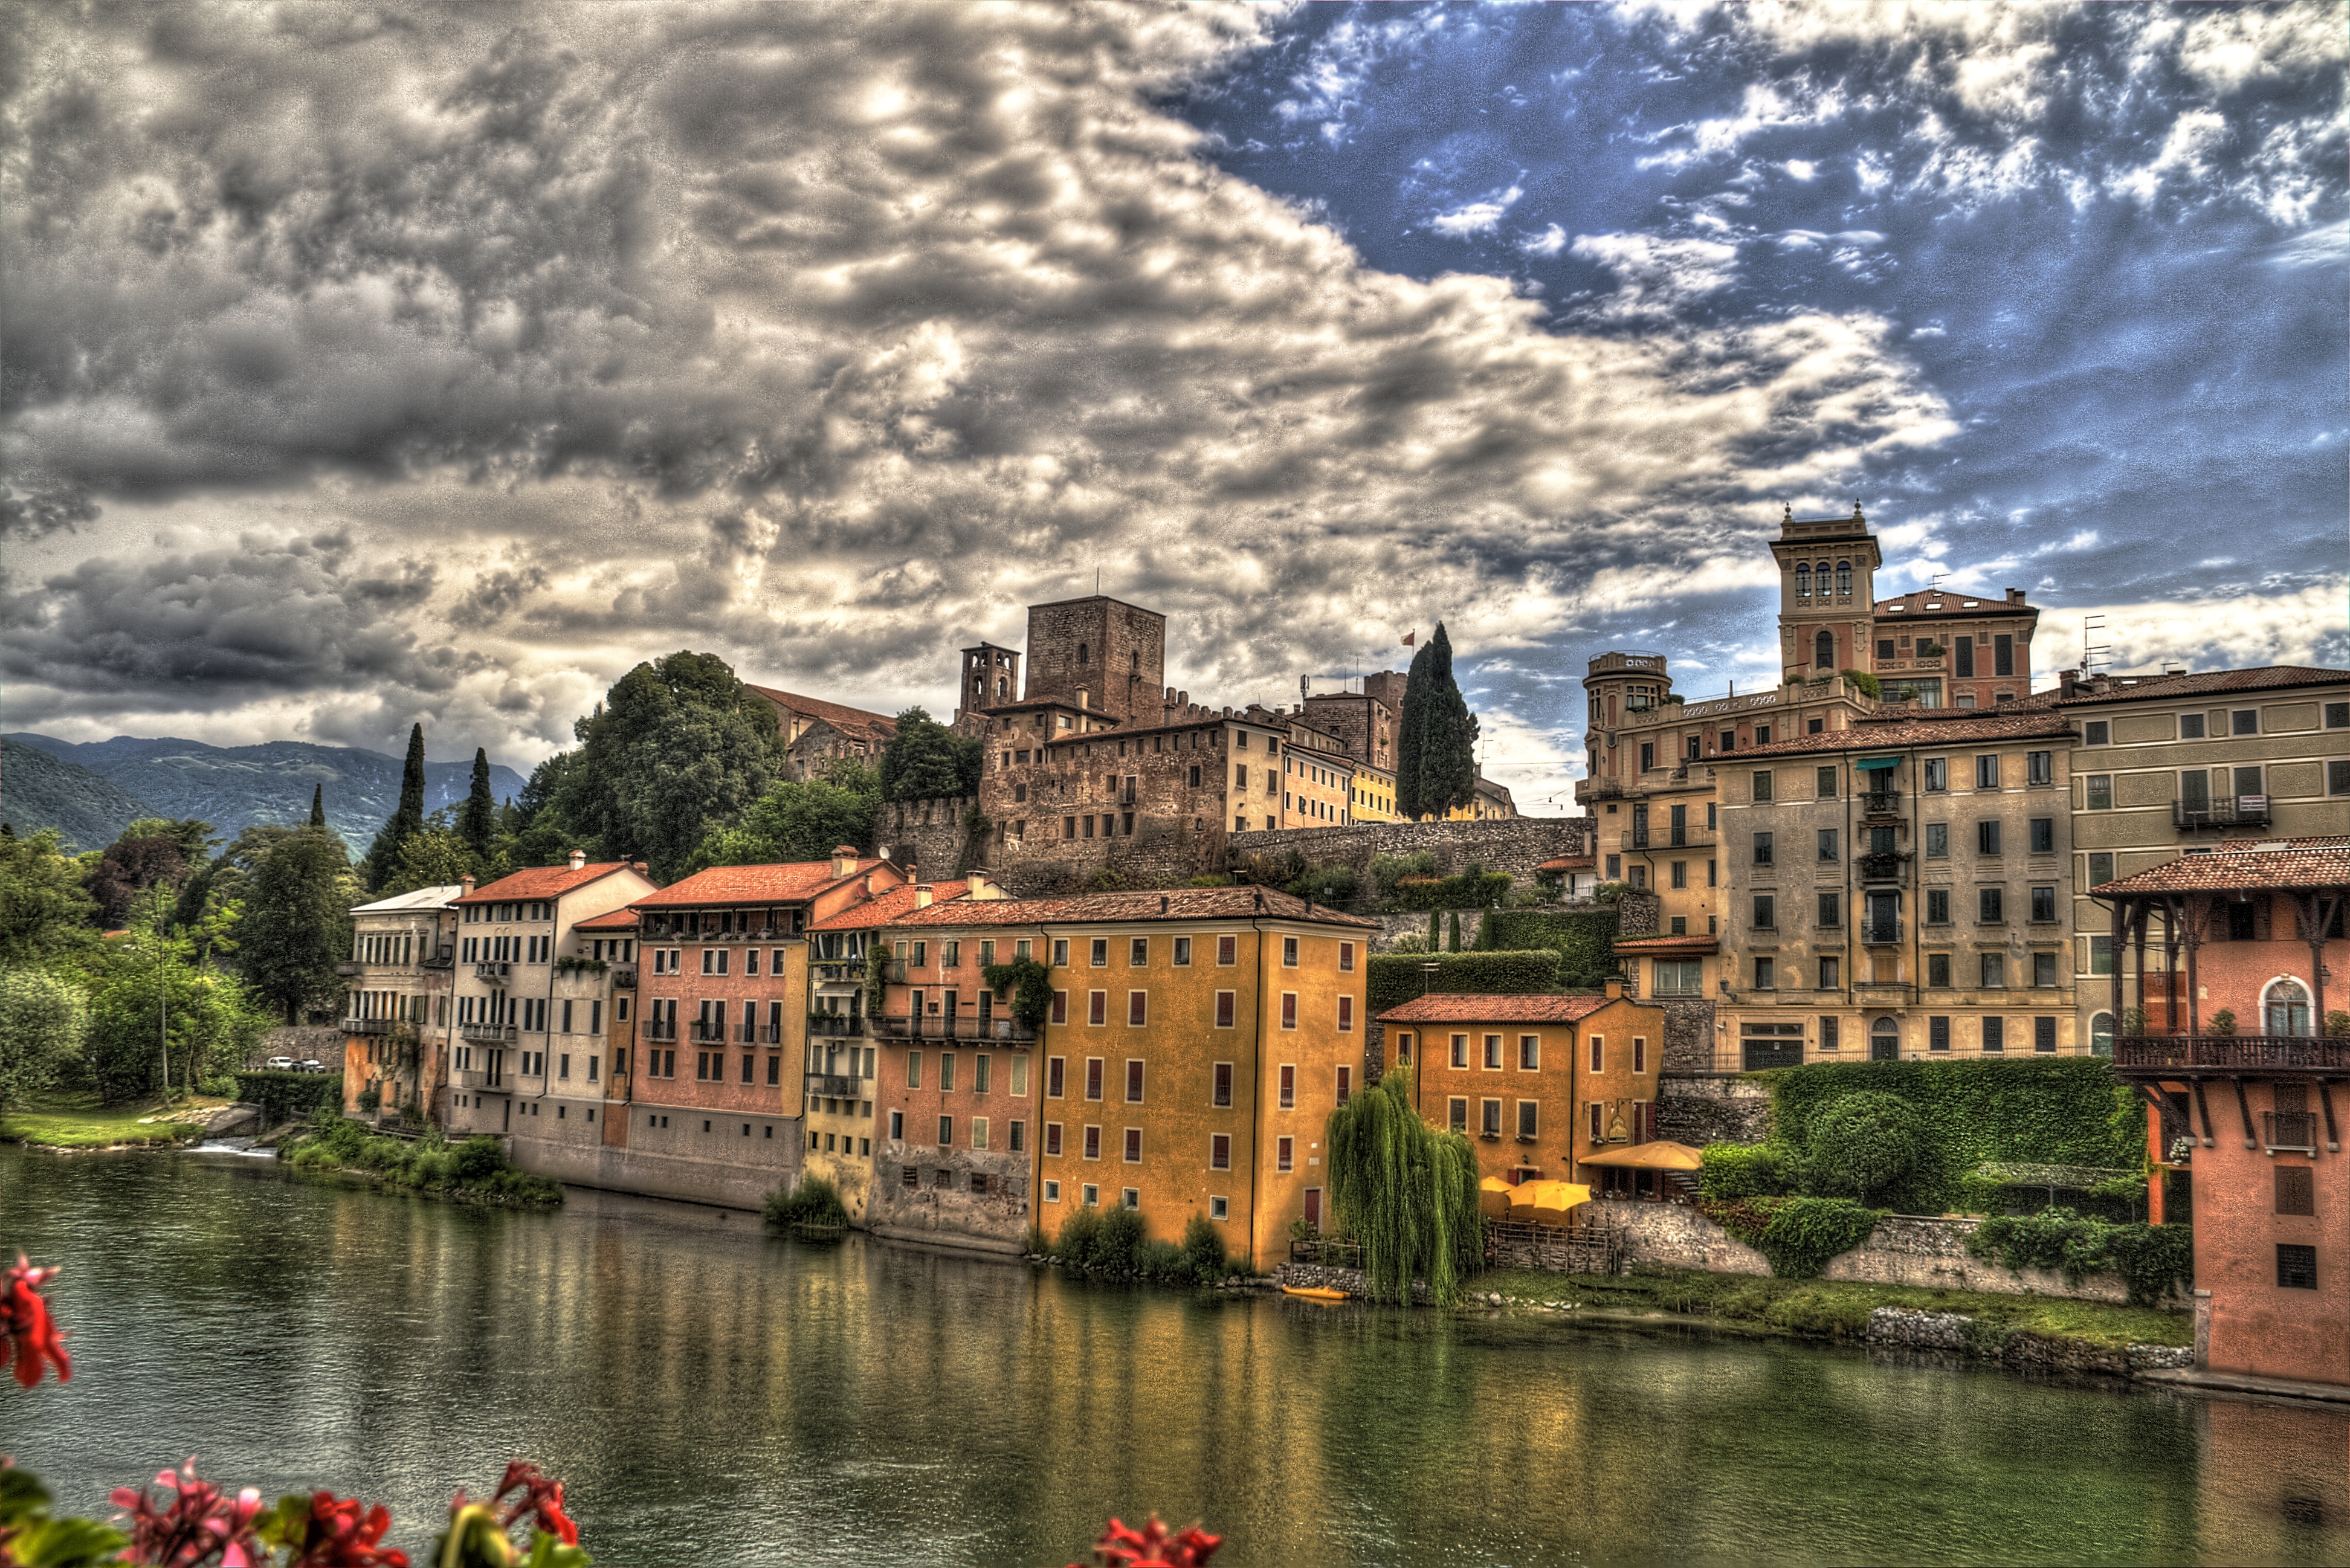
(715, 1395)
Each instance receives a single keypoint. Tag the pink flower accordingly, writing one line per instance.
(193, 1525)
(27, 1334)
(542, 1500)
(341, 1533)
(1152, 1547)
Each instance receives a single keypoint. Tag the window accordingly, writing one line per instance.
(1227, 950)
(1284, 1154)
(1827, 843)
(1289, 1010)
(1987, 837)
(2296, 1190)
(946, 1132)
(1529, 1052)
(1598, 1123)
(1937, 971)
(1133, 1082)
(2296, 1267)
(913, 1069)
(2044, 905)
(2039, 767)
(1056, 1076)
(1648, 755)
(2337, 777)
(1182, 952)
(1289, 952)
(1225, 1001)
(1831, 976)
(1827, 782)
(1680, 874)
(1138, 1009)
(1052, 1138)
(1994, 1034)
(1763, 785)
(1885, 648)
(1093, 1077)
(1762, 849)
(1965, 650)
(2098, 788)
(1133, 1148)
(1994, 970)
(1991, 906)
(1345, 1015)
(1492, 1052)
(1598, 1053)
(1097, 954)
(1220, 1152)
(1766, 914)
(1938, 906)
(1828, 1033)
(946, 1072)
(2190, 726)
(2043, 1035)
(1097, 1007)
(1830, 909)
(1288, 1086)
(1938, 773)
(1938, 1034)
(1488, 1119)
(1346, 958)
(1938, 840)
(1089, 1193)
(1093, 1143)
(1987, 773)
(1461, 1050)
(980, 1074)
(1061, 954)
(1763, 981)
(2244, 722)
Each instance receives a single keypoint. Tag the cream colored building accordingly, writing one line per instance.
(396, 1011)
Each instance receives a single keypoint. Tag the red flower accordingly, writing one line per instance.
(27, 1333)
(1153, 1547)
(542, 1500)
(342, 1533)
(193, 1525)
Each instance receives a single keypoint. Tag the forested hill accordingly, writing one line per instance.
(38, 790)
(232, 787)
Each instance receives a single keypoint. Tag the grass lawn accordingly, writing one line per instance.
(1826, 1309)
(78, 1121)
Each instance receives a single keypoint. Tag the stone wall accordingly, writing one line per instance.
(928, 835)
(1904, 1250)
(941, 1207)
(1698, 1111)
(306, 1043)
(1639, 912)
(1516, 844)
(1689, 1036)
(1329, 1276)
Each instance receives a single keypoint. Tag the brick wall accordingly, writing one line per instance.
(1124, 648)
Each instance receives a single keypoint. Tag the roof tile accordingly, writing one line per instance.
(2243, 864)
(1453, 1008)
(781, 883)
(543, 882)
(890, 904)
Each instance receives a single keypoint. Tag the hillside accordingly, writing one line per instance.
(38, 790)
(232, 787)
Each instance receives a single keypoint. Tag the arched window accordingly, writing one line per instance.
(1822, 570)
(1002, 687)
(1823, 651)
(1803, 579)
(1081, 654)
(2284, 1007)
(1884, 1040)
(1844, 577)
(2101, 1035)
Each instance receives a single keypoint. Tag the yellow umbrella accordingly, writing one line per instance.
(1557, 1200)
(1493, 1197)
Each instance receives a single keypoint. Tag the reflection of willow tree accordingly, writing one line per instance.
(1406, 1191)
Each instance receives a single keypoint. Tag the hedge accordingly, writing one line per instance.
(1395, 978)
(1585, 942)
(289, 1097)
(2065, 1110)
(1477, 892)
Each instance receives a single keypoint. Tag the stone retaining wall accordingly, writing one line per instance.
(1698, 1111)
(1329, 1276)
(1516, 844)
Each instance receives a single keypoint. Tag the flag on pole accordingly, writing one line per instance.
(1411, 637)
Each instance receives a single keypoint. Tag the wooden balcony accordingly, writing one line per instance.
(2223, 1055)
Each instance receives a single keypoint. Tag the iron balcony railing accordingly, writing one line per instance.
(2230, 1053)
(1666, 837)
(1881, 802)
(1001, 1029)
(624, 976)
(839, 971)
(656, 1029)
(2228, 811)
(836, 1026)
(494, 973)
(367, 1025)
(706, 1033)
(1879, 931)
(491, 1033)
(2289, 1130)
(1888, 867)
(834, 1086)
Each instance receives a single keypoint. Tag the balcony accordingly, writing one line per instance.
(494, 973)
(836, 1026)
(835, 1086)
(1881, 802)
(839, 971)
(2228, 811)
(624, 976)
(445, 958)
(1880, 933)
(350, 967)
(367, 1025)
(488, 1033)
(2295, 1130)
(998, 1029)
(655, 1030)
(1666, 838)
(469, 1078)
(2192, 1053)
(1886, 868)
(1880, 993)
(706, 1033)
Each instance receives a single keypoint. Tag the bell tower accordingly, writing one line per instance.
(1827, 594)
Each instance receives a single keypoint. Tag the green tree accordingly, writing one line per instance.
(1436, 743)
(1406, 1191)
(1864, 1144)
(43, 1022)
(679, 747)
(193, 835)
(406, 818)
(45, 912)
(925, 760)
(478, 821)
(297, 924)
(318, 806)
(533, 828)
(798, 820)
(129, 867)
(432, 857)
(1452, 934)
(158, 1021)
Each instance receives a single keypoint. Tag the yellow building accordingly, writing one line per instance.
(1316, 776)
(1370, 795)
(1196, 1042)
(1491, 803)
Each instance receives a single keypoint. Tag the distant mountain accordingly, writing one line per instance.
(232, 787)
(38, 790)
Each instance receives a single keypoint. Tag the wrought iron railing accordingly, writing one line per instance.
(2228, 811)
(1880, 932)
(2230, 1053)
(836, 1026)
(2288, 1129)
(834, 1086)
(998, 1029)
(1881, 802)
(1884, 867)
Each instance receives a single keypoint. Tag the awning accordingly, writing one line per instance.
(1662, 1155)
(1870, 764)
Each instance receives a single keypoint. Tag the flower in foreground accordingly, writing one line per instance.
(186, 1520)
(1152, 1546)
(27, 1334)
(327, 1532)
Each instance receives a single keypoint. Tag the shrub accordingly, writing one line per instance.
(1863, 1144)
(1324, 885)
(1162, 1262)
(1733, 1171)
(370, 1099)
(1079, 1233)
(1468, 891)
(1212, 880)
(1586, 942)
(2337, 1023)
(1396, 978)
(2221, 1022)
(1452, 933)
(2153, 1260)
(289, 1097)
(1114, 1250)
(1203, 1246)
(1410, 942)
(1386, 870)
(1031, 985)
(1799, 1236)
(1863, 683)
(815, 1201)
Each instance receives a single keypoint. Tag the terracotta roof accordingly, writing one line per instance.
(618, 920)
(850, 721)
(543, 882)
(2248, 864)
(1949, 605)
(890, 904)
(2264, 678)
(1568, 863)
(784, 884)
(1454, 1008)
(2014, 722)
(1180, 904)
(1670, 945)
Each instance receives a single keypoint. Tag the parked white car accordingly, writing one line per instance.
(313, 1066)
(280, 1064)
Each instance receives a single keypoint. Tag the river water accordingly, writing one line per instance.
(713, 1395)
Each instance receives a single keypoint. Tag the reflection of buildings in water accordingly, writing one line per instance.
(2274, 1481)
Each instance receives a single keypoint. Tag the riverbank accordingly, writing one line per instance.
(2024, 1332)
(473, 1171)
(79, 1122)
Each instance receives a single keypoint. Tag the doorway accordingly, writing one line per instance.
(1885, 1041)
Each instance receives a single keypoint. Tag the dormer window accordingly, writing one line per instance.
(1803, 579)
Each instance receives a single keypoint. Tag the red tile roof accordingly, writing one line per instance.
(2246, 863)
(786, 884)
(1451, 1008)
(1939, 727)
(850, 721)
(1171, 904)
(890, 905)
(1568, 863)
(2214, 683)
(542, 882)
(1951, 606)
(1670, 945)
(618, 920)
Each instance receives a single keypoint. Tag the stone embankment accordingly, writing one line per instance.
(1906, 1328)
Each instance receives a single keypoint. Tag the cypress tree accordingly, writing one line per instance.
(318, 805)
(1435, 932)
(1436, 742)
(478, 822)
(1454, 941)
(407, 818)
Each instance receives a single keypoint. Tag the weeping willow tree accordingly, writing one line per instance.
(1406, 1191)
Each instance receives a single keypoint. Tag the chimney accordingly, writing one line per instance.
(639, 866)
(1615, 988)
(2065, 680)
(978, 881)
(466, 883)
(2015, 595)
(579, 859)
(922, 895)
(1163, 903)
(843, 860)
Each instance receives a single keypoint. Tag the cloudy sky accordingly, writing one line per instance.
(368, 363)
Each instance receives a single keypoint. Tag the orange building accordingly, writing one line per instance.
(1195, 1044)
(1541, 1084)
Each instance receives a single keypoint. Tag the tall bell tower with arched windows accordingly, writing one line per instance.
(1827, 580)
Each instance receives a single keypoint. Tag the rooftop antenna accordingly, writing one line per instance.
(1934, 583)
(2094, 654)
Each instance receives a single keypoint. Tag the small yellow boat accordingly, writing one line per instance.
(1314, 1292)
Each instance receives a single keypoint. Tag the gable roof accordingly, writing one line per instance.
(2243, 864)
(788, 883)
(620, 920)
(1654, 945)
(1170, 904)
(850, 721)
(892, 905)
(421, 898)
(544, 882)
(2213, 682)
(1452, 1007)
